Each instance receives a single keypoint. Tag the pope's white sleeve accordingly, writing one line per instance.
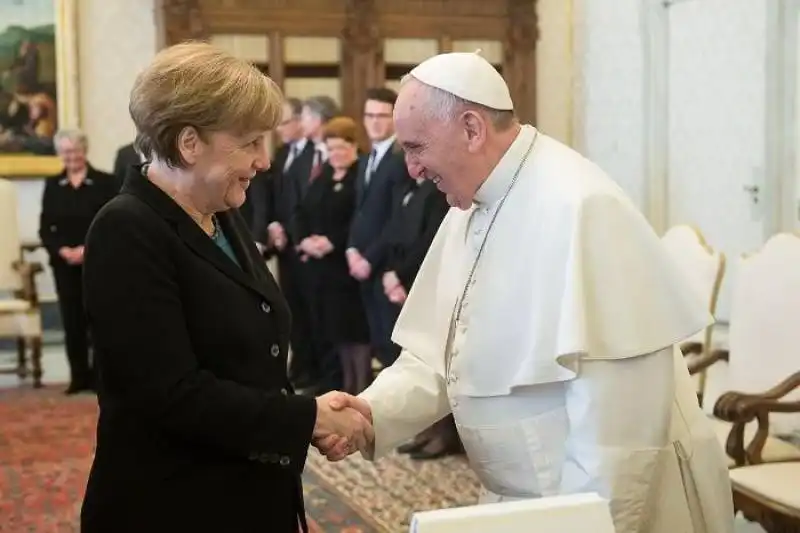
(619, 414)
(405, 399)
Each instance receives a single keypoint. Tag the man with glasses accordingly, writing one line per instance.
(379, 173)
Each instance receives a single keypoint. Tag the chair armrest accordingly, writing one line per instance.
(741, 408)
(704, 361)
(28, 271)
(691, 348)
(30, 246)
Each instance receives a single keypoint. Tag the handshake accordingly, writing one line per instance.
(343, 426)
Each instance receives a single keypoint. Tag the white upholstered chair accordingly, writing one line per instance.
(704, 269)
(20, 317)
(764, 343)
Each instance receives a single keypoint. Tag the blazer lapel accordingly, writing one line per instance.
(380, 171)
(196, 239)
(361, 179)
(203, 246)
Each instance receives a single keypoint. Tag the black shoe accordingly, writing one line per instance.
(435, 449)
(413, 446)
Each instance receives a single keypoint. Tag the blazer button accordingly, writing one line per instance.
(265, 307)
(275, 350)
(285, 461)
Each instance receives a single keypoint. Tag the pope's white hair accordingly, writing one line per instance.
(444, 106)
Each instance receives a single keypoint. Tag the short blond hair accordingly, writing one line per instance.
(195, 84)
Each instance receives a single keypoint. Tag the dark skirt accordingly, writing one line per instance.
(337, 309)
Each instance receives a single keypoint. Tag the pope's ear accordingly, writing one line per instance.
(475, 128)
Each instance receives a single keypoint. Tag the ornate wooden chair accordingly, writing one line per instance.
(763, 340)
(767, 493)
(704, 268)
(20, 317)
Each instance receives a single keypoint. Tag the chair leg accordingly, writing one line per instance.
(36, 360)
(22, 362)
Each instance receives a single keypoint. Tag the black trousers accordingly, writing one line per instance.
(381, 315)
(304, 367)
(69, 286)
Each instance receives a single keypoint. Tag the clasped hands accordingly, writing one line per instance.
(343, 425)
(315, 246)
(72, 255)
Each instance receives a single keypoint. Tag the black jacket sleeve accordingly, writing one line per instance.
(145, 356)
(47, 225)
(437, 209)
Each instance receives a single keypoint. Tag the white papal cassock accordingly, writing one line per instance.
(561, 370)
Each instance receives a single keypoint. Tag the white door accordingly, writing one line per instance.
(717, 101)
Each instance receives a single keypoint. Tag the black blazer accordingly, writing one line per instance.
(417, 213)
(374, 201)
(257, 203)
(67, 212)
(199, 429)
(327, 210)
(288, 188)
(125, 159)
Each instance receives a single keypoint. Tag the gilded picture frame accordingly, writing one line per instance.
(25, 165)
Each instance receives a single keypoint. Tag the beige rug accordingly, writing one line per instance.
(388, 491)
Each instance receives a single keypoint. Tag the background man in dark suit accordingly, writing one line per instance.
(304, 155)
(264, 196)
(126, 158)
(378, 175)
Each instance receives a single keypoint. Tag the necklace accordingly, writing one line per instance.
(489, 228)
(215, 231)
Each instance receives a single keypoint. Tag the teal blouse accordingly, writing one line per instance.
(221, 240)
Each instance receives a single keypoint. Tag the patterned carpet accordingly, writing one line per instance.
(47, 442)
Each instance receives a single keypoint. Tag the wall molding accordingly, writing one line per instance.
(778, 127)
(578, 51)
(787, 114)
(655, 39)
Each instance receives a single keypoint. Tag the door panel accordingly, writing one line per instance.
(717, 101)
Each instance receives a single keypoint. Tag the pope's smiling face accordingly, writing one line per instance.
(435, 149)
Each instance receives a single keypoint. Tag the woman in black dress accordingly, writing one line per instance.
(70, 201)
(321, 226)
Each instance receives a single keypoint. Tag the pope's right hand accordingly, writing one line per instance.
(339, 429)
(337, 448)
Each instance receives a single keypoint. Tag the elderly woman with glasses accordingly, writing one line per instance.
(199, 428)
(70, 201)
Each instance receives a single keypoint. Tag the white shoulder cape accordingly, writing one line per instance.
(571, 271)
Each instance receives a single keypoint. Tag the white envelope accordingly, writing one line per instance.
(561, 514)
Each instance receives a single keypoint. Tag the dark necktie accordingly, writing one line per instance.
(293, 152)
(371, 164)
(316, 168)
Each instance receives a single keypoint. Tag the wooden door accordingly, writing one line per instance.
(378, 40)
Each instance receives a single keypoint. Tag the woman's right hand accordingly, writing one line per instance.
(346, 423)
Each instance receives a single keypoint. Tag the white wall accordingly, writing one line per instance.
(609, 90)
(555, 69)
(117, 38)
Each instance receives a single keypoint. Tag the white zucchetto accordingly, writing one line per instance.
(468, 76)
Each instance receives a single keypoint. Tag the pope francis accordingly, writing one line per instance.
(545, 317)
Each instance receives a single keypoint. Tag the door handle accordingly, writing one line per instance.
(753, 190)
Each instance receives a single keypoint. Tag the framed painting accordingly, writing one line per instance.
(38, 83)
